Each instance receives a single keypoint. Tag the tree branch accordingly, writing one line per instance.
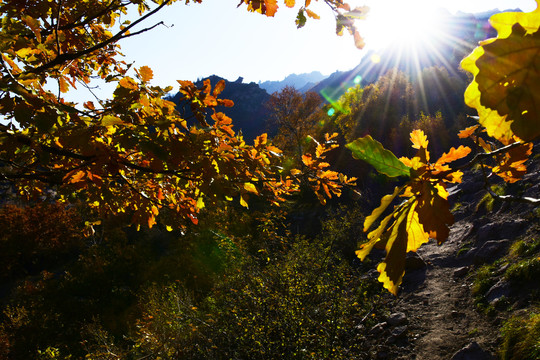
(120, 35)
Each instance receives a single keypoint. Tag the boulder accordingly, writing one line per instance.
(472, 351)
(397, 319)
(490, 251)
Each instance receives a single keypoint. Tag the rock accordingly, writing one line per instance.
(377, 329)
(457, 314)
(503, 230)
(372, 274)
(414, 262)
(399, 331)
(497, 291)
(460, 272)
(396, 319)
(490, 251)
(472, 351)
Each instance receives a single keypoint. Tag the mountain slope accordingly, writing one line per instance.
(248, 113)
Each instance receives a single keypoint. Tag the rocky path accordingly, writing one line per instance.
(442, 320)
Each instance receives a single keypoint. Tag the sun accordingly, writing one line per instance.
(407, 25)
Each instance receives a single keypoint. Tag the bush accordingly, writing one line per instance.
(521, 338)
(307, 304)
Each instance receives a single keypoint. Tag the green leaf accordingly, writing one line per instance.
(374, 153)
(300, 19)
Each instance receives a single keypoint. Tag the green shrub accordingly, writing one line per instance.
(524, 271)
(521, 338)
(483, 280)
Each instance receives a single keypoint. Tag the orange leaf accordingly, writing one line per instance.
(454, 154)
(77, 177)
(419, 139)
(146, 73)
(89, 105)
(467, 132)
(226, 102)
(320, 150)
(63, 84)
(220, 86)
(307, 160)
(160, 194)
(271, 7)
(260, 140)
(312, 15)
(128, 83)
(290, 3)
(151, 221)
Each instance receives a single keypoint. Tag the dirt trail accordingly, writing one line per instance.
(437, 301)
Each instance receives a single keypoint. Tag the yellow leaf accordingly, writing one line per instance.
(243, 202)
(419, 139)
(290, 3)
(169, 228)
(200, 203)
(385, 201)
(24, 52)
(109, 120)
(416, 236)
(374, 237)
(497, 126)
(392, 268)
(251, 188)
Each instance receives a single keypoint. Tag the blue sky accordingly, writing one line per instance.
(216, 37)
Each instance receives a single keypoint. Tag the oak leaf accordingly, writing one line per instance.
(374, 153)
(146, 73)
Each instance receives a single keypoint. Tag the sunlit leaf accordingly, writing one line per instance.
(312, 15)
(465, 133)
(374, 153)
(146, 73)
(385, 201)
(243, 202)
(496, 125)
(128, 83)
(454, 154)
(419, 139)
(392, 268)
(509, 80)
(109, 120)
(251, 188)
(434, 213)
